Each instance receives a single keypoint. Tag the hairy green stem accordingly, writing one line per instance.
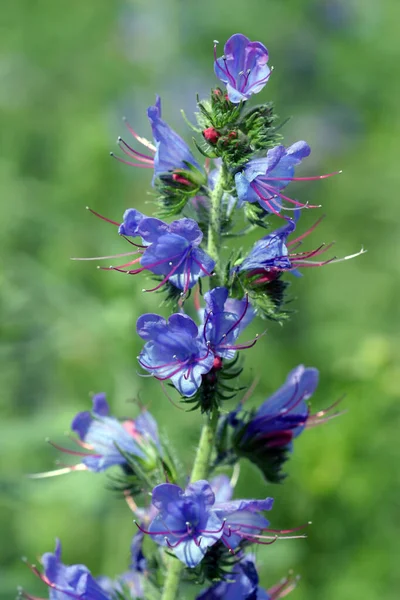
(201, 464)
(214, 228)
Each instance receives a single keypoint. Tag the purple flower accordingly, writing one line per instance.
(265, 436)
(241, 583)
(263, 179)
(174, 350)
(170, 251)
(270, 256)
(174, 253)
(107, 438)
(171, 151)
(243, 67)
(169, 154)
(224, 320)
(67, 582)
(190, 521)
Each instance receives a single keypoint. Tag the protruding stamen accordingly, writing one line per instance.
(56, 472)
(101, 217)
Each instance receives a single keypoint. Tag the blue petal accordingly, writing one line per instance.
(300, 384)
(166, 494)
(149, 325)
(215, 299)
(187, 228)
(147, 426)
(183, 322)
(222, 488)
(251, 505)
(244, 190)
(150, 229)
(203, 490)
(100, 405)
(172, 152)
(131, 221)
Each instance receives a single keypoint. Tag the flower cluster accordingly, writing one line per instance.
(240, 187)
(179, 350)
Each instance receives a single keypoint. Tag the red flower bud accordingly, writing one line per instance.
(211, 135)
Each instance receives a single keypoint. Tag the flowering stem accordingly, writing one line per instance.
(171, 585)
(201, 465)
(214, 228)
(200, 471)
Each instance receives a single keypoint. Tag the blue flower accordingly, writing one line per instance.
(190, 521)
(174, 253)
(174, 350)
(106, 436)
(171, 151)
(169, 154)
(270, 256)
(171, 251)
(265, 436)
(68, 582)
(263, 179)
(242, 583)
(224, 320)
(243, 67)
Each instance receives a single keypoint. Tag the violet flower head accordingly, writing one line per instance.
(67, 582)
(271, 255)
(243, 67)
(224, 320)
(265, 436)
(263, 179)
(173, 252)
(174, 350)
(105, 436)
(190, 521)
(242, 582)
(171, 151)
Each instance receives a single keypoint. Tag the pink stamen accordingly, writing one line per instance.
(133, 243)
(73, 452)
(51, 585)
(130, 164)
(217, 530)
(129, 151)
(80, 443)
(228, 74)
(231, 550)
(314, 178)
(174, 545)
(101, 217)
(237, 323)
(140, 139)
(242, 346)
(306, 233)
(167, 532)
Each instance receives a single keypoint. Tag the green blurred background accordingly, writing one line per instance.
(69, 71)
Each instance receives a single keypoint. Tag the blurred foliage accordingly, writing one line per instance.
(69, 71)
